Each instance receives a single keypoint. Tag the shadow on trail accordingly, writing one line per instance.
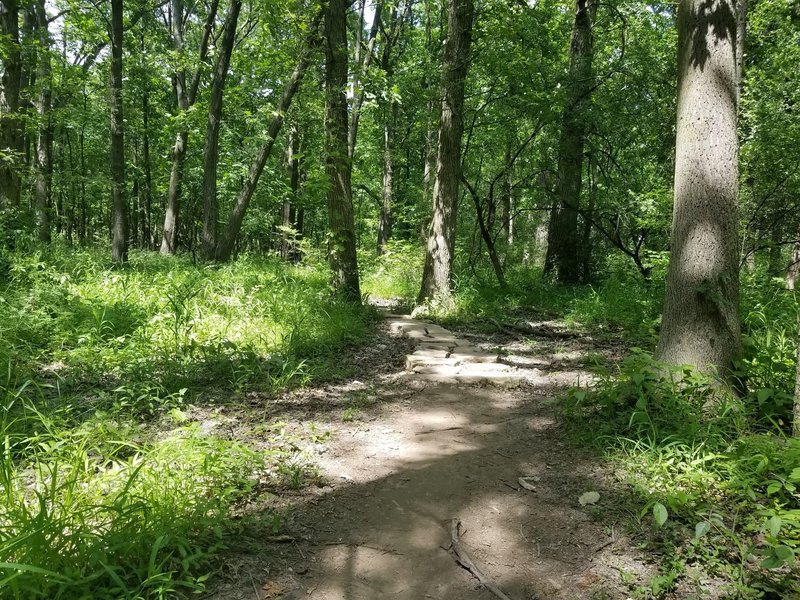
(382, 528)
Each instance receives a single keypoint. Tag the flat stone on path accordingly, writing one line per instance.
(443, 357)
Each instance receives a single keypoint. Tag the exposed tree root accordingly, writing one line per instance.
(465, 561)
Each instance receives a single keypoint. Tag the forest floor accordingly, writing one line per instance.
(471, 432)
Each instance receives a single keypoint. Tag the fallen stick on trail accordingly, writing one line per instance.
(465, 561)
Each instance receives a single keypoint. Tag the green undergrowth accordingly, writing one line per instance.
(109, 488)
(623, 305)
(720, 489)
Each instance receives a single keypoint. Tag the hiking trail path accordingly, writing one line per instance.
(469, 431)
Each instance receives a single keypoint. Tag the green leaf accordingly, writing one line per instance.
(774, 525)
(774, 487)
(783, 553)
(771, 563)
(763, 395)
(660, 513)
(701, 529)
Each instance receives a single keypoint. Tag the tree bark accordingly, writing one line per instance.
(562, 240)
(793, 267)
(387, 190)
(437, 273)
(119, 208)
(185, 99)
(363, 69)
(44, 138)
(701, 310)
(208, 245)
(10, 124)
(289, 239)
(341, 229)
(228, 240)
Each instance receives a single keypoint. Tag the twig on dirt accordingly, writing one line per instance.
(299, 549)
(437, 430)
(280, 539)
(603, 546)
(525, 483)
(501, 454)
(505, 483)
(255, 589)
(465, 561)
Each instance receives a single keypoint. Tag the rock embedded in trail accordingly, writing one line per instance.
(442, 357)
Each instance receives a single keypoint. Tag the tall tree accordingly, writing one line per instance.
(119, 207)
(228, 240)
(338, 167)
(10, 124)
(44, 137)
(701, 311)
(562, 238)
(211, 151)
(185, 95)
(437, 274)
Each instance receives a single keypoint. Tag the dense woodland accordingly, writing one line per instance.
(200, 199)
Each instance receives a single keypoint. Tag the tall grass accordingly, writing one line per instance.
(96, 501)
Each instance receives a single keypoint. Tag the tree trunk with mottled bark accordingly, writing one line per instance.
(185, 98)
(437, 273)
(701, 312)
(562, 240)
(44, 137)
(228, 240)
(208, 245)
(11, 133)
(341, 229)
(119, 205)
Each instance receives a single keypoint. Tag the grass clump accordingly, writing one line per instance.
(722, 491)
(107, 488)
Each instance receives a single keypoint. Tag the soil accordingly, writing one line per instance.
(409, 451)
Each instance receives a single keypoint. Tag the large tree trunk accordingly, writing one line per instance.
(341, 229)
(44, 141)
(228, 240)
(10, 124)
(119, 208)
(185, 98)
(701, 311)
(437, 274)
(208, 247)
(562, 239)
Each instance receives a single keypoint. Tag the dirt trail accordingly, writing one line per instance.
(450, 446)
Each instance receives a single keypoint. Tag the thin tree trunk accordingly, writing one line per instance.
(146, 201)
(119, 208)
(562, 243)
(341, 230)
(437, 273)
(208, 246)
(10, 124)
(486, 234)
(793, 267)
(44, 141)
(387, 190)
(701, 311)
(796, 411)
(586, 237)
(228, 240)
(363, 69)
(185, 99)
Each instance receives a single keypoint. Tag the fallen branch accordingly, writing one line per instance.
(465, 561)
(514, 329)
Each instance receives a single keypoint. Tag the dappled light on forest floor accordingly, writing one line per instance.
(395, 478)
